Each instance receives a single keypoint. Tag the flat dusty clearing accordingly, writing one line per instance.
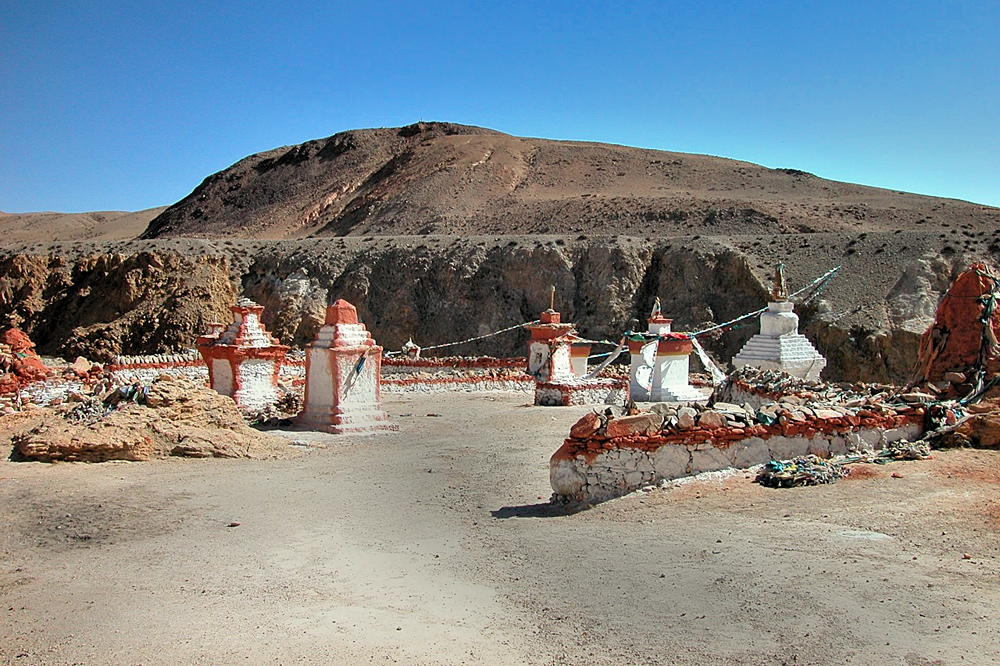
(435, 545)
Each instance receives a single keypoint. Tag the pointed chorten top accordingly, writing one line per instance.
(245, 331)
(549, 326)
(550, 316)
(779, 292)
(245, 306)
(657, 320)
(341, 312)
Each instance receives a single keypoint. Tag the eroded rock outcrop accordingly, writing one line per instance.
(102, 304)
(172, 416)
(963, 337)
(155, 297)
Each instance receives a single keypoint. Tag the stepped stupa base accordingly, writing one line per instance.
(684, 393)
(780, 346)
(346, 420)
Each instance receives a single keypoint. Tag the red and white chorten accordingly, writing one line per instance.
(343, 367)
(244, 359)
(661, 363)
(555, 352)
(557, 359)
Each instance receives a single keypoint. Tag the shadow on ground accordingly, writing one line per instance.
(546, 510)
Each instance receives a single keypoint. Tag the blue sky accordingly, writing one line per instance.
(128, 105)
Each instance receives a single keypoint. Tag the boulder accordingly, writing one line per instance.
(639, 424)
(982, 430)
(686, 417)
(586, 426)
(711, 420)
(80, 366)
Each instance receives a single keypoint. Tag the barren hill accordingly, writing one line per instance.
(438, 178)
(97, 226)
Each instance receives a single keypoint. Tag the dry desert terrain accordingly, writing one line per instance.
(436, 545)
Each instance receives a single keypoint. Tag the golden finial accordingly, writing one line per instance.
(779, 292)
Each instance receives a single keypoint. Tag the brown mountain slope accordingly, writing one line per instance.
(437, 178)
(53, 227)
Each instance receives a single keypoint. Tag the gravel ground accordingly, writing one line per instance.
(436, 545)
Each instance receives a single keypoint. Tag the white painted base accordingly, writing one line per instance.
(346, 420)
(661, 377)
(685, 393)
(591, 392)
(793, 354)
(257, 387)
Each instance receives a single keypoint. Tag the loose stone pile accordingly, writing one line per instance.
(761, 387)
(19, 364)
(172, 416)
(26, 380)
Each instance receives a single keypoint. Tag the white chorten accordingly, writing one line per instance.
(779, 345)
(660, 364)
(343, 371)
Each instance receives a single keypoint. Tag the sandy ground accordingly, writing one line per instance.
(434, 545)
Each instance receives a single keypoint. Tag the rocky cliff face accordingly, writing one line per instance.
(447, 292)
(156, 296)
(84, 300)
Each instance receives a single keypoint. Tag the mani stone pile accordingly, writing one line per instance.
(427, 375)
(608, 455)
(760, 387)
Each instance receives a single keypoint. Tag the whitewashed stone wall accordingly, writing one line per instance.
(580, 394)
(620, 471)
(146, 375)
(471, 384)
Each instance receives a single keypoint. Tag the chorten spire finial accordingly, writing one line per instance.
(779, 292)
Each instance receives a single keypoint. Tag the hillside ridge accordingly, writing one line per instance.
(443, 178)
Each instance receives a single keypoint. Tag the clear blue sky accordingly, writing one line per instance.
(128, 105)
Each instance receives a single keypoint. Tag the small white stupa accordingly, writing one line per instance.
(779, 345)
(661, 363)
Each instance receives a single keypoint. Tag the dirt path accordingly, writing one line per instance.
(434, 546)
